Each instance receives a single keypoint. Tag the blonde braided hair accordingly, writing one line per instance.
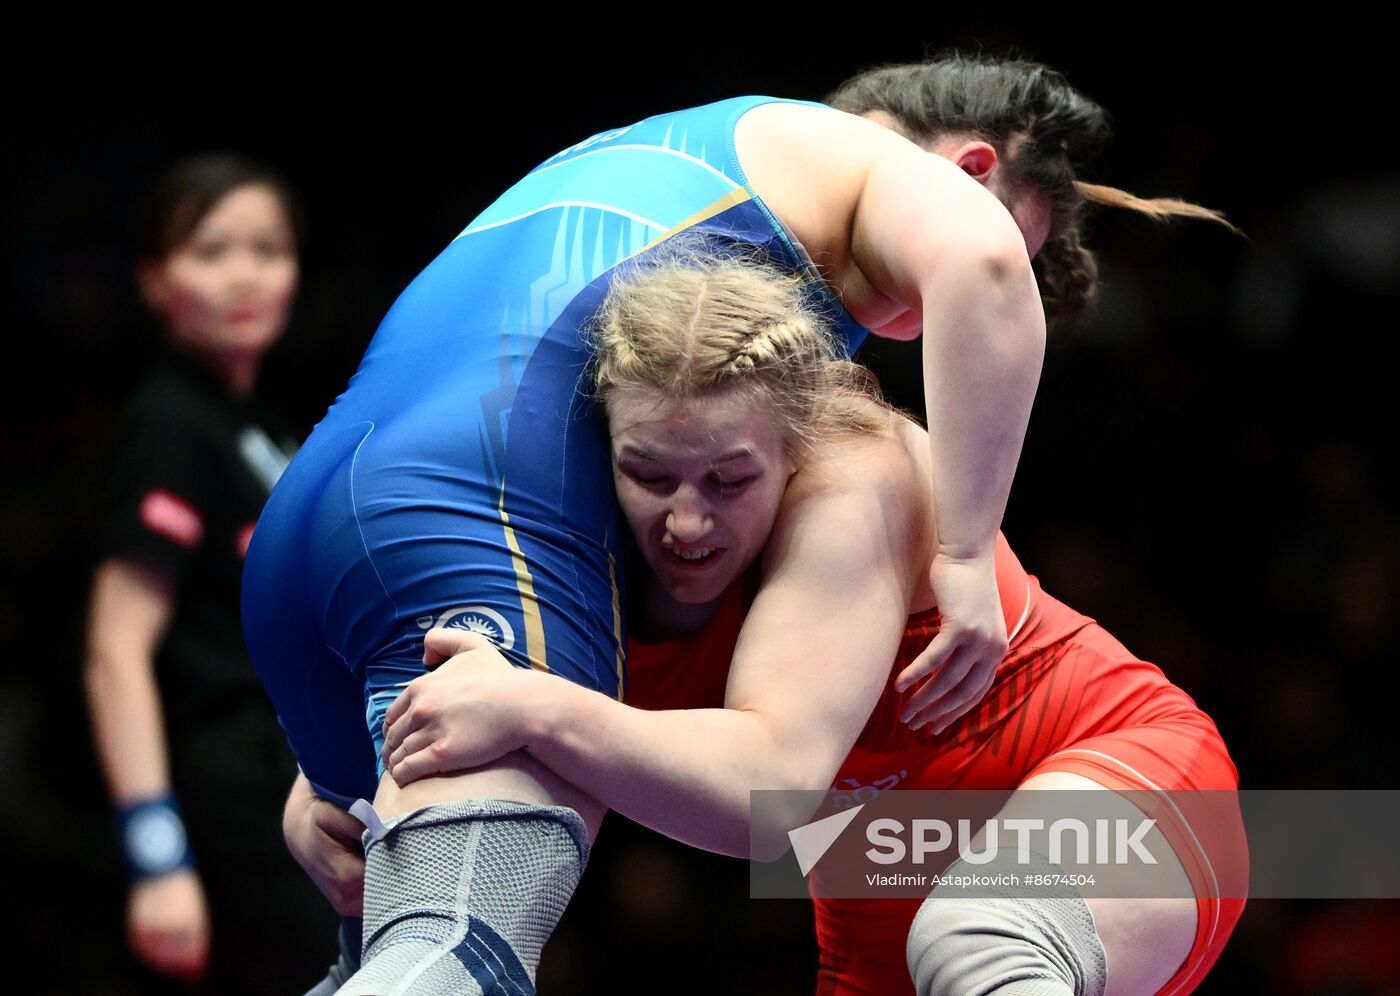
(692, 324)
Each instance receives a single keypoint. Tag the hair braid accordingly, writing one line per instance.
(683, 326)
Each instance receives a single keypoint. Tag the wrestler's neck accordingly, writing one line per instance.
(655, 616)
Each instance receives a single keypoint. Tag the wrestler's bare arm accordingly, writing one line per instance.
(811, 661)
(913, 246)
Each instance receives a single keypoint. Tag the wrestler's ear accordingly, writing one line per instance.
(977, 159)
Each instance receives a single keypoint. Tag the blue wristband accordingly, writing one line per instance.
(153, 837)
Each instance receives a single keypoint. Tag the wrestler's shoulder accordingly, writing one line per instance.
(866, 471)
(803, 122)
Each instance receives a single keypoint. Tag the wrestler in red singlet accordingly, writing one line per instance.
(1067, 697)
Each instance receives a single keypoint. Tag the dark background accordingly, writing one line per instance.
(1208, 470)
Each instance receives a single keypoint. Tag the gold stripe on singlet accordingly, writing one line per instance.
(736, 196)
(617, 624)
(535, 649)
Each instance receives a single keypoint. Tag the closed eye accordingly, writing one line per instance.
(732, 484)
(645, 479)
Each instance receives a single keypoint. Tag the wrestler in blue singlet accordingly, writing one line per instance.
(462, 479)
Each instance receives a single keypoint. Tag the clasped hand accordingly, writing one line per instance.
(467, 711)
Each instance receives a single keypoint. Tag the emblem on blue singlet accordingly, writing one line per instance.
(475, 619)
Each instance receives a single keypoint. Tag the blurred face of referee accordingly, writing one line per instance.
(226, 291)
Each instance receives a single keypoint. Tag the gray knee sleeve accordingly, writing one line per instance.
(1008, 944)
(460, 897)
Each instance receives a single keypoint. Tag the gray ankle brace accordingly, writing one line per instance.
(1013, 943)
(460, 897)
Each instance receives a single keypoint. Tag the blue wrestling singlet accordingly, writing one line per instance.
(463, 479)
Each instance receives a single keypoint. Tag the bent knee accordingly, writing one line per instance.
(1145, 940)
(967, 946)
